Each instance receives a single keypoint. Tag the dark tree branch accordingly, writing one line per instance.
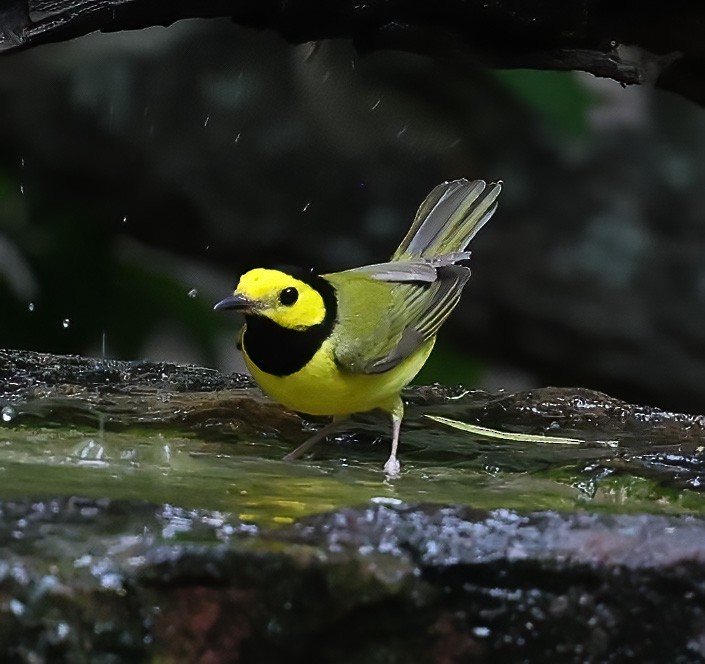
(624, 40)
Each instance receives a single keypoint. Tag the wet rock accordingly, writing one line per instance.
(128, 581)
(61, 388)
(70, 390)
(117, 580)
(566, 409)
(32, 381)
(24, 371)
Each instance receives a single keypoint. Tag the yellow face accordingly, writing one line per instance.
(287, 301)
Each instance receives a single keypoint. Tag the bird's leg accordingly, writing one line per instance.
(393, 468)
(317, 437)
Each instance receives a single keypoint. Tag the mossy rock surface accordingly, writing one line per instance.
(146, 515)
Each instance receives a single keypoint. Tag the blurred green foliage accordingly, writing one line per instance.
(76, 289)
(85, 288)
(450, 365)
(557, 98)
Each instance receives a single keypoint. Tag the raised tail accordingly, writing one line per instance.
(448, 219)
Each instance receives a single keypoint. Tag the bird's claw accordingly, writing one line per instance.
(392, 468)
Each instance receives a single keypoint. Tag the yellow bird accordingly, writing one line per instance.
(348, 342)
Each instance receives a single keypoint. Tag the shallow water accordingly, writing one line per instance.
(242, 473)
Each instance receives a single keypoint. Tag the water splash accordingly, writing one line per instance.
(8, 414)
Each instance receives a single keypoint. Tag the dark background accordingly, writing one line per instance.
(142, 172)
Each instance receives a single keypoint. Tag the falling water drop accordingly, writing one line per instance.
(30, 306)
(307, 206)
(65, 323)
(8, 414)
(192, 293)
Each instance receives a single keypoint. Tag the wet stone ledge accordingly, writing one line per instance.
(658, 446)
(100, 580)
(121, 581)
(69, 388)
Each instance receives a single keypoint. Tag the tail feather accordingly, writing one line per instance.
(448, 219)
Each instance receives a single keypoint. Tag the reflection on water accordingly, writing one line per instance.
(245, 475)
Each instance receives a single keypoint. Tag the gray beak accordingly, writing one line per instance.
(235, 301)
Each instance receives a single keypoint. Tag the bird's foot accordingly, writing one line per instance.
(392, 468)
(313, 440)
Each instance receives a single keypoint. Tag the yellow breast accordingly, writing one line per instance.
(321, 388)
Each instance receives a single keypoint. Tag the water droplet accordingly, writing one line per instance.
(307, 206)
(237, 138)
(310, 49)
(386, 500)
(207, 247)
(376, 104)
(192, 293)
(17, 607)
(90, 453)
(30, 306)
(208, 117)
(111, 581)
(8, 414)
(22, 189)
(22, 162)
(84, 561)
(65, 323)
(124, 219)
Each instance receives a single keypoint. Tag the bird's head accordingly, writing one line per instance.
(288, 301)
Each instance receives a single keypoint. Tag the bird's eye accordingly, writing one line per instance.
(288, 296)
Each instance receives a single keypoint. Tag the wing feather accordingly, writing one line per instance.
(387, 311)
(419, 270)
(450, 216)
(412, 312)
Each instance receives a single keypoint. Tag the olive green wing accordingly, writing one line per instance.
(386, 312)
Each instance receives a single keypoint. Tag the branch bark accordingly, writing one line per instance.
(627, 41)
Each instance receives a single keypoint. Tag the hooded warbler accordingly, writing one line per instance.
(348, 342)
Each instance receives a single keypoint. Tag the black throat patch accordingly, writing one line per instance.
(281, 351)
